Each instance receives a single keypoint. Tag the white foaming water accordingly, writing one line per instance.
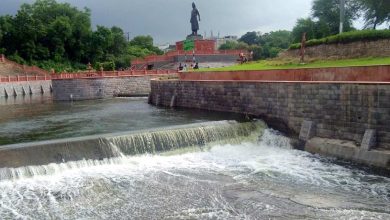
(237, 181)
(115, 149)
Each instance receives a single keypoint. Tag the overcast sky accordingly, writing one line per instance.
(168, 20)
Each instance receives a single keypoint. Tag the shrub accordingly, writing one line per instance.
(347, 37)
(107, 66)
(16, 58)
(59, 67)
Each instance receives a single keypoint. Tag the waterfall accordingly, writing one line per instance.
(274, 138)
(50, 157)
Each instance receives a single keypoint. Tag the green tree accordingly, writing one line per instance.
(280, 39)
(47, 30)
(234, 45)
(328, 12)
(250, 38)
(145, 42)
(5, 28)
(376, 12)
(307, 26)
(257, 52)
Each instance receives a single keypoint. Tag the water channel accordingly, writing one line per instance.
(253, 174)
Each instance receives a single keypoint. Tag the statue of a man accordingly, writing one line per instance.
(194, 20)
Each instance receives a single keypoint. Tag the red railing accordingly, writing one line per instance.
(44, 75)
(25, 69)
(107, 74)
(82, 75)
(21, 78)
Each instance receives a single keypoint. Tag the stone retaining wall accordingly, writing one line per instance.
(8, 89)
(340, 110)
(97, 88)
(378, 48)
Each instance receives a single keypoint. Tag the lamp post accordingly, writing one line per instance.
(127, 34)
(342, 15)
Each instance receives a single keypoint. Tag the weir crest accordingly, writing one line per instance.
(52, 157)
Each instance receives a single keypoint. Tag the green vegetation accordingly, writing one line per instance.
(54, 35)
(277, 64)
(347, 37)
(324, 20)
(59, 36)
(264, 46)
(376, 12)
(322, 27)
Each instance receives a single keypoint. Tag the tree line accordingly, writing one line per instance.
(59, 36)
(323, 22)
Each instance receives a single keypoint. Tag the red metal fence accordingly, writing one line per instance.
(20, 78)
(85, 75)
(44, 75)
(107, 74)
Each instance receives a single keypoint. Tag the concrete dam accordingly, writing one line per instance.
(208, 165)
(111, 157)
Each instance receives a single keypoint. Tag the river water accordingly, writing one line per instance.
(251, 179)
(35, 118)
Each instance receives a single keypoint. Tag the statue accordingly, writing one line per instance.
(194, 20)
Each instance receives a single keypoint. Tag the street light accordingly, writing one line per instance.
(128, 35)
(342, 15)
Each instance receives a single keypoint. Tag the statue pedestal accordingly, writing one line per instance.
(200, 45)
(194, 37)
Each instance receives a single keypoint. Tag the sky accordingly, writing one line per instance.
(168, 21)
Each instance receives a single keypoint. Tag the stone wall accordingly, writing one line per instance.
(379, 48)
(97, 88)
(8, 89)
(378, 73)
(340, 110)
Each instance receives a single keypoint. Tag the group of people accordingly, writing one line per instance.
(185, 68)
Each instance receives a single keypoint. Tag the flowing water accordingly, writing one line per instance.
(262, 179)
(239, 171)
(35, 118)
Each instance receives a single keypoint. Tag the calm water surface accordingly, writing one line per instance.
(39, 118)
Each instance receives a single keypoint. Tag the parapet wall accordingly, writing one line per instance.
(340, 110)
(11, 89)
(378, 48)
(380, 73)
(97, 88)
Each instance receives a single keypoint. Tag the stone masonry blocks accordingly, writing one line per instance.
(340, 110)
(97, 88)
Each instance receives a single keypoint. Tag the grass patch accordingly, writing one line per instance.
(347, 37)
(279, 64)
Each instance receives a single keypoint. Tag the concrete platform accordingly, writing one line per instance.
(349, 151)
